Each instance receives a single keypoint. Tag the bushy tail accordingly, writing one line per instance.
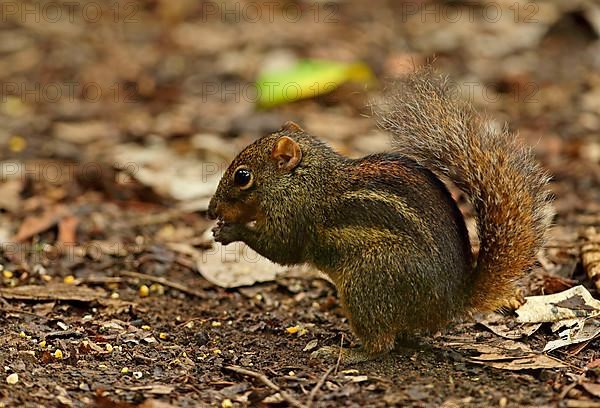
(508, 189)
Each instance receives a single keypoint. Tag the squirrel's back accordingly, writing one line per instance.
(507, 188)
(395, 241)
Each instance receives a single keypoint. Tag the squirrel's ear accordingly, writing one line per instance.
(286, 153)
(292, 127)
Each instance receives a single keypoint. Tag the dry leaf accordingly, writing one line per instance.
(507, 355)
(574, 309)
(235, 265)
(593, 364)
(592, 388)
(506, 327)
(576, 302)
(33, 225)
(531, 362)
(590, 255)
(584, 330)
(170, 174)
(58, 291)
(67, 230)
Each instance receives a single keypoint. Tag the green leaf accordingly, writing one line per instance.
(307, 79)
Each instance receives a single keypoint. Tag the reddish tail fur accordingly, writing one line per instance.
(506, 186)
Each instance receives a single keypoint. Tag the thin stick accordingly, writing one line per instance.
(339, 359)
(263, 378)
(314, 391)
(8, 310)
(162, 281)
(573, 366)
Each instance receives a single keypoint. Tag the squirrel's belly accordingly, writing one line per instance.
(411, 281)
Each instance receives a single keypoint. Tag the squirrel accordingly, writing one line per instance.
(384, 227)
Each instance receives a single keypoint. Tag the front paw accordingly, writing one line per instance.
(226, 233)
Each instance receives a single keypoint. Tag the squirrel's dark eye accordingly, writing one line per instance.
(243, 178)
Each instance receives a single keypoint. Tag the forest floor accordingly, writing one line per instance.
(113, 128)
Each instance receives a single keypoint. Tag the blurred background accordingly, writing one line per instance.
(118, 117)
(138, 86)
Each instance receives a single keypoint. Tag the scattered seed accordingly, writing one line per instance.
(144, 291)
(157, 288)
(43, 344)
(124, 370)
(58, 354)
(22, 334)
(217, 351)
(293, 329)
(109, 347)
(216, 324)
(163, 336)
(114, 295)
(17, 143)
(70, 279)
(7, 274)
(12, 379)
(226, 403)
(146, 327)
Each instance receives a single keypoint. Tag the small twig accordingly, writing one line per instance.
(162, 281)
(8, 310)
(571, 365)
(576, 381)
(263, 378)
(94, 279)
(314, 391)
(339, 359)
(195, 319)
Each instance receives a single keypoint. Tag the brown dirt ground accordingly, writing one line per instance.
(182, 343)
